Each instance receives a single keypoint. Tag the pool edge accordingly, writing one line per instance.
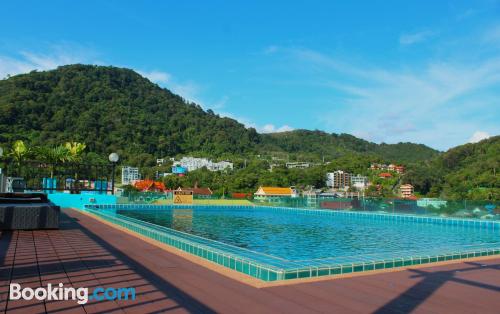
(258, 283)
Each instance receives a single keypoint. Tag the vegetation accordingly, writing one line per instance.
(465, 172)
(316, 145)
(116, 110)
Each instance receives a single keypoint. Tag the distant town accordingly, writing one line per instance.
(339, 183)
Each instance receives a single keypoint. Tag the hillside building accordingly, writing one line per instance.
(298, 165)
(192, 163)
(130, 175)
(338, 180)
(359, 182)
(406, 190)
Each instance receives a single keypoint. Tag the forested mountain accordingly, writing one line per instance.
(115, 109)
(334, 145)
(112, 109)
(468, 171)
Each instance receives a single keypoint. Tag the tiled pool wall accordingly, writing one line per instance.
(231, 261)
(294, 270)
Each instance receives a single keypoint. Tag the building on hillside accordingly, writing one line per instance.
(399, 169)
(179, 170)
(385, 175)
(192, 163)
(268, 193)
(160, 161)
(359, 182)
(338, 180)
(130, 175)
(406, 190)
(220, 166)
(392, 167)
(298, 165)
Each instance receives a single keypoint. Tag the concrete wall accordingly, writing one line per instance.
(79, 200)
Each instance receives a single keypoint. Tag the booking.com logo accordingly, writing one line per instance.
(59, 292)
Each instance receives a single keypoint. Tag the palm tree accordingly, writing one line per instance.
(19, 152)
(53, 155)
(75, 150)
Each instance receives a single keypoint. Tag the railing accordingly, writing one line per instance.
(429, 207)
(32, 175)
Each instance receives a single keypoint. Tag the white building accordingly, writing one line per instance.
(160, 161)
(298, 165)
(130, 175)
(192, 163)
(359, 182)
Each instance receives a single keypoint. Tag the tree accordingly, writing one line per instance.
(75, 151)
(19, 152)
(52, 156)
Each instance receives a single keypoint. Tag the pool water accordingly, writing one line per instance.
(302, 235)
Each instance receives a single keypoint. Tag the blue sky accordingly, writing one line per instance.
(387, 71)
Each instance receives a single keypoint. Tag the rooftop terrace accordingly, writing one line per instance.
(86, 252)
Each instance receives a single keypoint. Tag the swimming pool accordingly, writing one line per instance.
(272, 243)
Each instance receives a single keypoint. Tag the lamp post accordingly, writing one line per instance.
(113, 158)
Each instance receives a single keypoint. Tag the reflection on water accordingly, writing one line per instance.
(182, 220)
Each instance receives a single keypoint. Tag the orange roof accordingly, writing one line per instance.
(385, 175)
(271, 190)
(149, 185)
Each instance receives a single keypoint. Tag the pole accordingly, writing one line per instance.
(113, 180)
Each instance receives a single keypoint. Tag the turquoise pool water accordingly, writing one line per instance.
(294, 236)
(272, 243)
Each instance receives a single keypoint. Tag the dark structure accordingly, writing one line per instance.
(69, 176)
(27, 211)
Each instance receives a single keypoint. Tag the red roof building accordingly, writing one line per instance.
(385, 175)
(149, 186)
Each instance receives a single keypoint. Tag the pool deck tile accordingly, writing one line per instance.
(86, 252)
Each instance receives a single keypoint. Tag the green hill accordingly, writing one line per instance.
(115, 109)
(305, 142)
(468, 171)
(112, 109)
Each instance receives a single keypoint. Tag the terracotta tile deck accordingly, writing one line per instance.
(85, 252)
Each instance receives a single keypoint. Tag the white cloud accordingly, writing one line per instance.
(63, 54)
(432, 104)
(271, 128)
(410, 39)
(156, 76)
(27, 61)
(479, 136)
(266, 128)
(220, 104)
